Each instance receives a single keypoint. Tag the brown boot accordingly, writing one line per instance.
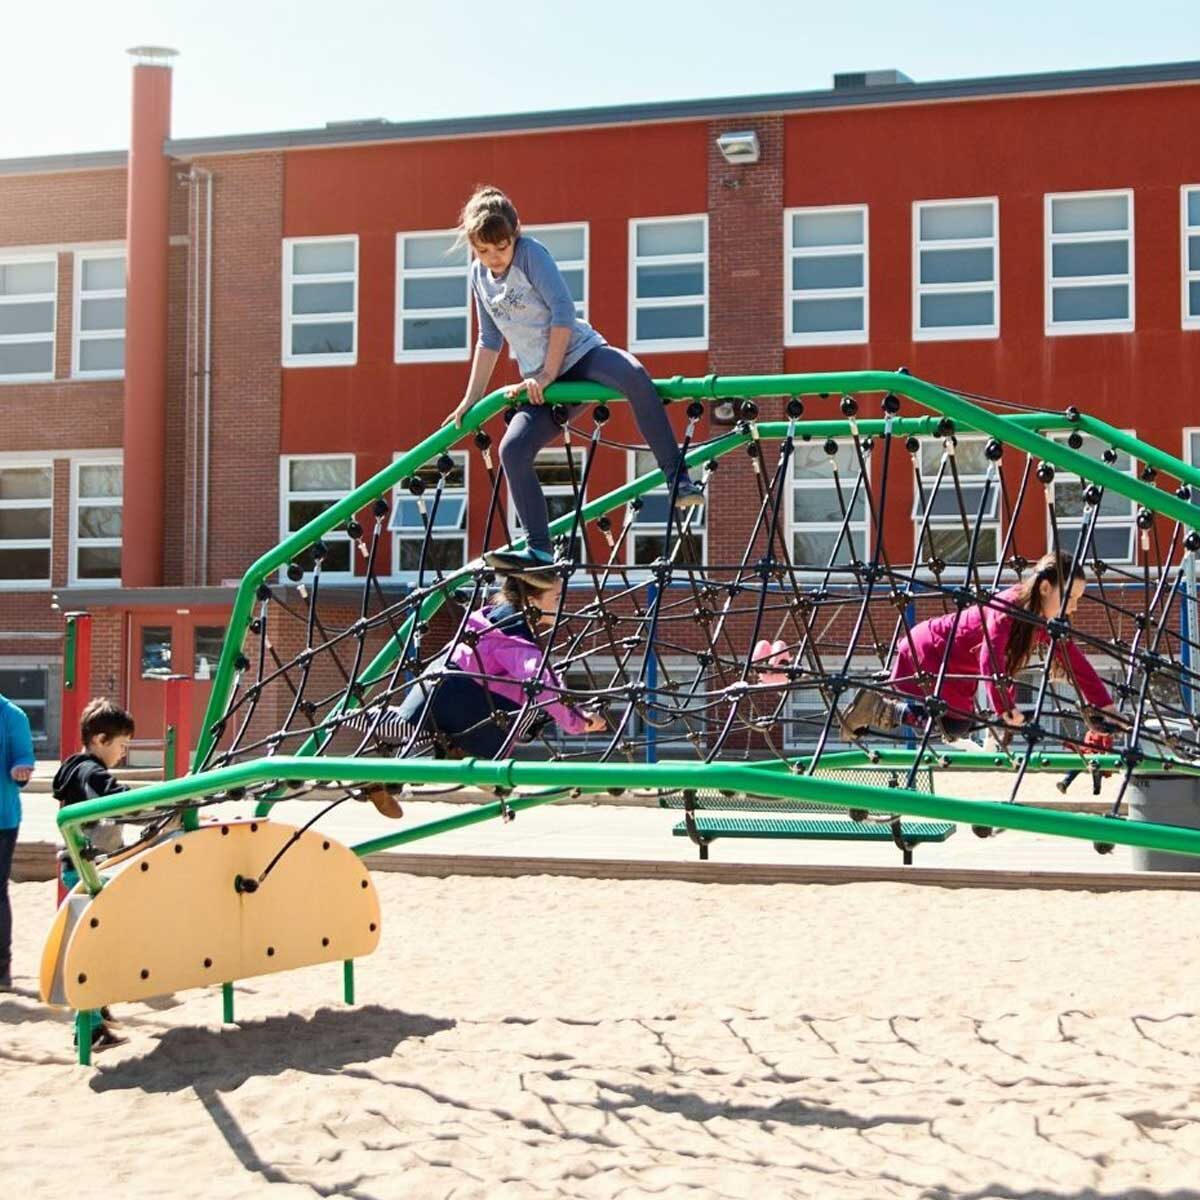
(385, 803)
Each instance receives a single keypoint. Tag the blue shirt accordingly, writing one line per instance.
(16, 750)
(524, 304)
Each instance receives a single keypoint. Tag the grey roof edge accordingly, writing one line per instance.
(96, 160)
(695, 109)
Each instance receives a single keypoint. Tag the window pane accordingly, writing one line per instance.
(99, 480)
(827, 229)
(156, 650)
(206, 646)
(434, 251)
(324, 338)
(456, 479)
(1194, 298)
(956, 221)
(670, 237)
(444, 554)
(828, 316)
(337, 558)
(957, 266)
(686, 279)
(322, 258)
(810, 461)
(966, 308)
(35, 317)
(19, 524)
(573, 277)
(102, 354)
(659, 324)
(1193, 207)
(951, 544)
(1090, 258)
(98, 521)
(23, 683)
(1089, 214)
(300, 512)
(102, 314)
(323, 297)
(1109, 303)
(828, 271)
(320, 475)
(563, 244)
(27, 358)
(968, 453)
(28, 279)
(813, 548)
(25, 564)
(99, 562)
(435, 333)
(817, 505)
(1110, 542)
(437, 291)
(103, 275)
(25, 483)
(1194, 253)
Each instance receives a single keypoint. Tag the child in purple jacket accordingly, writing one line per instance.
(989, 644)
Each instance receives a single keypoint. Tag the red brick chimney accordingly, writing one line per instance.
(147, 240)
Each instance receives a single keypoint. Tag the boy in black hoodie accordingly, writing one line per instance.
(105, 730)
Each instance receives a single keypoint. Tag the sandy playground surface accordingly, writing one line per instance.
(548, 1037)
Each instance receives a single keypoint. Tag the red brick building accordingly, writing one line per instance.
(203, 341)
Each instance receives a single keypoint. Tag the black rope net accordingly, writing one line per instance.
(679, 651)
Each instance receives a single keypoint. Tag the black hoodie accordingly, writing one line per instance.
(84, 777)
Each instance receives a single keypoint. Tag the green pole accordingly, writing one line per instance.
(169, 753)
(227, 1002)
(83, 1036)
(348, 980)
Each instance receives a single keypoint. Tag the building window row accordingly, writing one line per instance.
(29, 315)
(27, 522)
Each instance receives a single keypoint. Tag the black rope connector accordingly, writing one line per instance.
(1075, 439)
(891, 404)
(243, 884)
(945, 428)
(1145, 518)
(795, 408)
(560, 414)
(830, 447)
(1192, 541)
(600, 414)
(319, 551)
(1109, 455)
(295, 572)
(263, 592)
(415, 485)
(380, 508)
(482, 439)
(1045, 472)
(1092, 495)
(1149, 474)
(912, 445)
(1071, 413)
(241, 663)
(445, 466)
(695, 410)
(849, 406)
(353, 530)
(993, 451)
(748, 410)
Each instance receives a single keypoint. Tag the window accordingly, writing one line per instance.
(1113, 539)
(1089, 262)
(825, 285)
(310, 484)
(28, 300)
(96, 489)
(206, 650)
(99, 347)
(554, 475)
(448, 541)
(1191, 257)
(320, 302)
(26, 499)
(817, 509)
(433, 322)
(27, 688)
(951, 522)
(568, 246)
(648, 541)
(668, 294)
(956, 276)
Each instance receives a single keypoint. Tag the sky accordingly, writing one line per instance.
(258, 65)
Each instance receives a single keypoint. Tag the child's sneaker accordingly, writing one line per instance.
(689, 495)
(535, 567)
(868, 710)
(385, 803)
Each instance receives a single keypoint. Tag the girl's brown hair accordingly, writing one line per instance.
(488, 216)
(1050, 568)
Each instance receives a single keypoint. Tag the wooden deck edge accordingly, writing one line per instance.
(35, 862)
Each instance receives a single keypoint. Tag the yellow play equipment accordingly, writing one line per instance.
(190, 911)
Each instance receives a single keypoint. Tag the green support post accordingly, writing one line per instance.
(227, 1002)
(83, 1035)
(348, 980)
(169, 753)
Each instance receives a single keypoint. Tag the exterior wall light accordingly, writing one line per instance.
(740, 149)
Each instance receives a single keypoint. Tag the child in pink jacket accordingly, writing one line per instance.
(992, 644)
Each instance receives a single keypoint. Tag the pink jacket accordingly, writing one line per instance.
(504, 656)
(974, 657)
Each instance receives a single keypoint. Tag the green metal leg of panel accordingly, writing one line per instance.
(227, 1003)
(83, 1036)
(348, 980)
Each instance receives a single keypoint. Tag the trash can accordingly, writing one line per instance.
(1165, 800)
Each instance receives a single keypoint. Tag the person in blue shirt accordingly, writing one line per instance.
(522, 298)
(16, 768)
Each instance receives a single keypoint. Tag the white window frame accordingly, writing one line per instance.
(665, 345)
(23, 664)
(792, 526)
(638, 570)
(400, 354)
(1050, 240)
(1102, 522)
(338, 534)
(1190, 320)
(955, 333)
(18, 461)
(965, 479)
(339, 359)
(78, 334)
(848, 337)
(463, 459)
(570, 264)
(12, 339)
(74, 542)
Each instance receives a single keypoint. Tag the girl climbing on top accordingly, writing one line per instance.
(521, 297)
